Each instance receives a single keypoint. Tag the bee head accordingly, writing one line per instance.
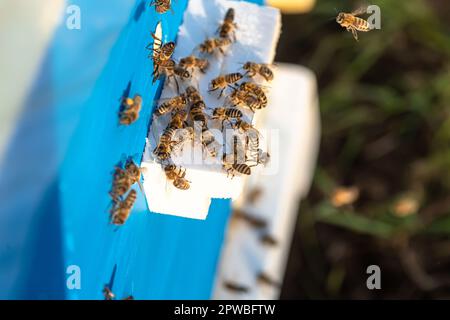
(218, 112)
(340, 18)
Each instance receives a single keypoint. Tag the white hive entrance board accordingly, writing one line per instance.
(257, 36)
(257, 245)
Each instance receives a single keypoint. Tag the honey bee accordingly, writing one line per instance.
(164, 51)
(228, 28)
(254, 195)
(121, 211)
(193, 95)
(264, 278)
(107, 293)
(163, 151)
(255, 222)
(268, 240)
(134, 173)
(175, 103)
(178, 176)
(171, 71)
(128, 298)
(209, 46)
(120, 185)
(253, 88)
(245, 99)
(263, 70)
(244, 126)
(224, 81)
(235, 287)
(237, 165)
(162, 6)
(198, 106)
(130, 110)
(166, 142)
(191, 62)
(227, 114)
(178, 72)
(352, 23)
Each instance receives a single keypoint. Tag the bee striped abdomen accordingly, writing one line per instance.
(361, 24)
(233, 77)
(181, 184)
(233, 113)
(197, 114)
(242, 168)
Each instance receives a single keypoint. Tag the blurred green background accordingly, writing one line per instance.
(385, 109)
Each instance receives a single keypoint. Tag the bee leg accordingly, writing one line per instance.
(355, 34)
(353, 31)
(155, 37)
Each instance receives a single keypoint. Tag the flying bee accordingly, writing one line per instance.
(235, 287)
(164, 51)
(130, 109)
(121, 211)
(209, 46)
(268, 240)
(107, 293)
(174, 103)
(162, 6)
(227, 114)
(264, 278)
(352, 23)
(191, 62)
(252, 69)
(224, 81)
(228, 28)
(161, 67)
(255, 222)
(178, 176)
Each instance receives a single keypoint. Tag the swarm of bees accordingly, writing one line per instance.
(353, 23)
(187, 109)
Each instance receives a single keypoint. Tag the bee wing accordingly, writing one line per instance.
(360, 10)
